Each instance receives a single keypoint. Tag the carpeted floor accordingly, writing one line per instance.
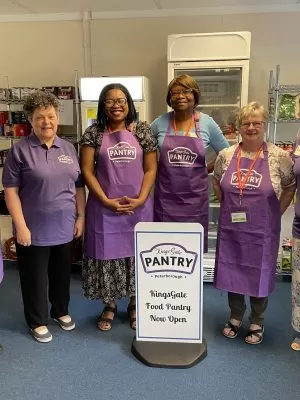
(87, 364)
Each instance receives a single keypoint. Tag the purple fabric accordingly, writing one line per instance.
(47, 180)
(1, 266)
(247, 251)
(181, 191)
(120, 172)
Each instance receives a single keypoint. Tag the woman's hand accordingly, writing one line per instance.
(112, 204)
(79, 226)
(123, 205)
(128, 205)
(23, 236)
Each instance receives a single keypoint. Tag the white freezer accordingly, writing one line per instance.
(90, 88)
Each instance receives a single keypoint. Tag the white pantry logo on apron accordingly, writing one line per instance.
(168, 257)
(122, 152)
(65, 159)
(253, 181)
(181, 156)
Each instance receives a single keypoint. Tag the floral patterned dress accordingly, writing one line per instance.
(296, 285)
(110, 280)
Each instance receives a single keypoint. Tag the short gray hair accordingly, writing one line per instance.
(252, 108)
(39, 99)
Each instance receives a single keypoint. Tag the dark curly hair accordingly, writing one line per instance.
(39, 99)
(101, 114)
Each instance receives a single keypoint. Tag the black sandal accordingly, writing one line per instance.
(132, 318)
(109, 321)
(259, 333)
(233, 328)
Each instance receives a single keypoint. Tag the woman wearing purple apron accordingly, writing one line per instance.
(255, 184)
(181, 190)
(119, 167)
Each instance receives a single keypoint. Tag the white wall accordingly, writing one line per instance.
(37, 54)
(47, 53)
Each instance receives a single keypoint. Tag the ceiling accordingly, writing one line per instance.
(10, 9)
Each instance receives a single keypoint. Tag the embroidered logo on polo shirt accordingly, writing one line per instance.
(168, 257)
(181, 156)
(65, 159)
(253, 181)
(122, 152)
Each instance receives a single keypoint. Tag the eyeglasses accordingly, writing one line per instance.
(184, 92)
(255, 124)
(111, 102)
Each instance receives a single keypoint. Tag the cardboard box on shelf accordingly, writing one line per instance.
(26, 91)
(3, 117)
(15, 93)
(21, 130)
(66, 92)
(51, 89)
(3, 94)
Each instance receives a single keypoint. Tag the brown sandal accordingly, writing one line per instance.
(109, 321)
(131, 310)
(258, 333)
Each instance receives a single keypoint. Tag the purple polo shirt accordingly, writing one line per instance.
(47, 181)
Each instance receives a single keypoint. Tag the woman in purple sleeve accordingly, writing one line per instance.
(296, 252)
(255, 184)
(118, 159)
(45, 196)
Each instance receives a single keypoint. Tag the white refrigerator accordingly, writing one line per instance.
(219, 62)
(90, 88)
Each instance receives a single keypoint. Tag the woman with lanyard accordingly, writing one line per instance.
(255, 184)
(181, 192)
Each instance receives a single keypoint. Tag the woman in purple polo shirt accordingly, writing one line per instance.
(255, 184)
(45, 196)
(119, 167)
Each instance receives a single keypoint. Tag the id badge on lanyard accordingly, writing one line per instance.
(240, 215)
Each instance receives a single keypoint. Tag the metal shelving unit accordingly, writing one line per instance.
(274, 96)
(275, 91)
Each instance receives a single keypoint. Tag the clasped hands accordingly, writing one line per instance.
(123, 205)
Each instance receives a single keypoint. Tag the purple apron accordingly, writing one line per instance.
(247, 252)
(120, 172)
(181, 190)
(1, 266)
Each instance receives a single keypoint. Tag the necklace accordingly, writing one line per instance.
(192, 122)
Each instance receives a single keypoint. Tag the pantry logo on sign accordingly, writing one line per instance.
(181, 156)
(122, 152)
(168, 257)
(253, 181)
(65, 159)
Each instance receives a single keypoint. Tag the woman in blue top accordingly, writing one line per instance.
(181, 192)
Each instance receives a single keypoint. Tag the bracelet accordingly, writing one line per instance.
(80, 215)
